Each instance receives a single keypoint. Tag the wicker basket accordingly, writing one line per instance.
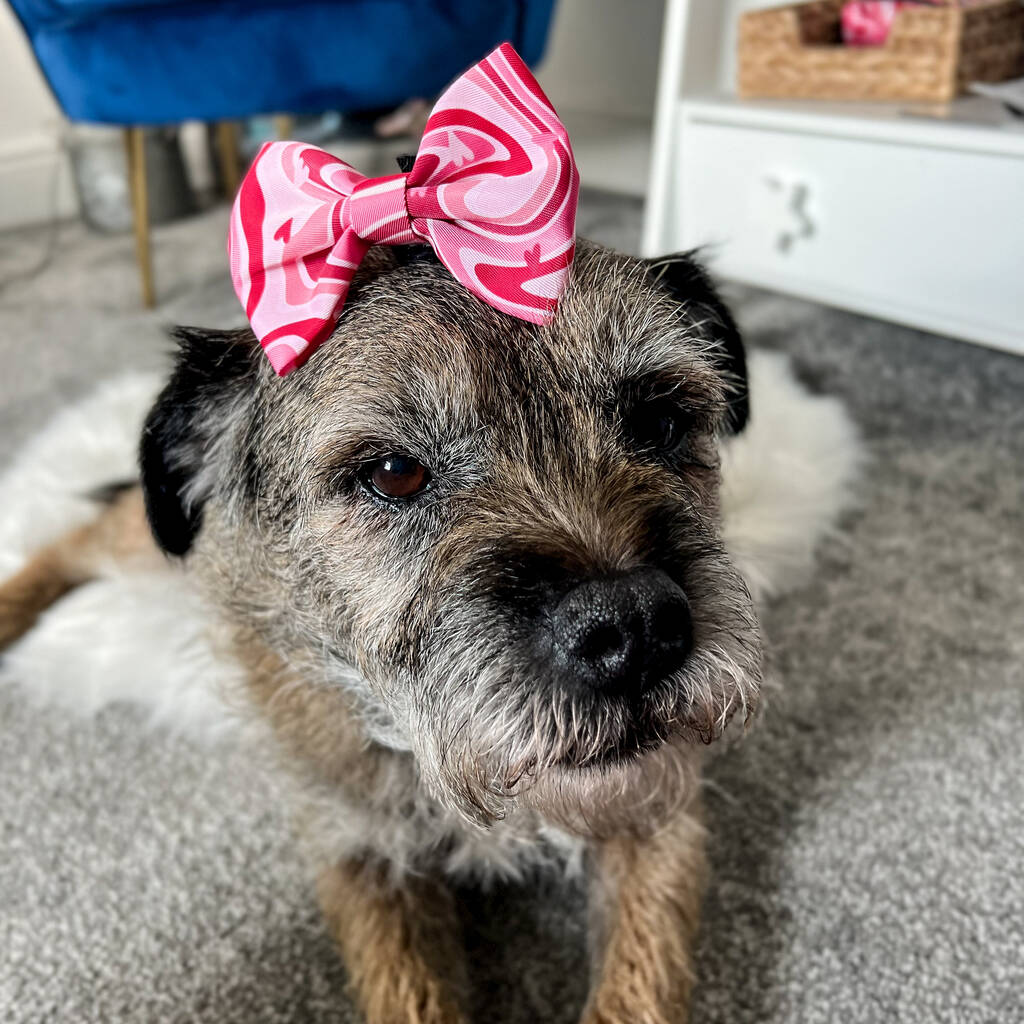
(932, 53)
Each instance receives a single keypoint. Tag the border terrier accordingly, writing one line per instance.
(474, 572)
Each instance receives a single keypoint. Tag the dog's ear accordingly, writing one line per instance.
(213, 371)
(686, 280)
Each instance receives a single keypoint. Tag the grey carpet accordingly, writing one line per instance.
(867, 839)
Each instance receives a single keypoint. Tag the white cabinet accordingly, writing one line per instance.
(871, 208)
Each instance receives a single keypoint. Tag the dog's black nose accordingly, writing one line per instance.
(622, 633)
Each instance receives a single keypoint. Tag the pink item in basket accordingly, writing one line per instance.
(868, 24)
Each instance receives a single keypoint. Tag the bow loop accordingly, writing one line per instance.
(493, 189)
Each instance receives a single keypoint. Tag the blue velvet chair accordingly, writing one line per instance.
(146, 62)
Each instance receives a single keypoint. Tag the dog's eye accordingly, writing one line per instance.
(659, 426)
(397, 477)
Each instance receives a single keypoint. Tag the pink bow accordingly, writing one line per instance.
(493, 190)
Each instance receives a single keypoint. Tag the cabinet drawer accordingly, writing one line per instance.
(929, 236)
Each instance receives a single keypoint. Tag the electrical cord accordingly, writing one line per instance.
(52, 223)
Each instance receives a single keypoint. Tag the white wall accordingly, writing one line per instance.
(34, 181)
(603, 56)
(600, 71)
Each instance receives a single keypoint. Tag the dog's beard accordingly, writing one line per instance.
(493, 730)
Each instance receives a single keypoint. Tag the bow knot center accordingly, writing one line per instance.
(377, 213)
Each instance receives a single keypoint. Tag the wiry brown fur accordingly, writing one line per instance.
(400, 942)
(646, 911)
(392, 648)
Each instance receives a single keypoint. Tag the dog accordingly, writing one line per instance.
(473, 569)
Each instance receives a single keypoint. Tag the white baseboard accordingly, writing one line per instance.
(35, 182)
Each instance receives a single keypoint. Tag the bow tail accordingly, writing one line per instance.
(312, 289)
(524, 284)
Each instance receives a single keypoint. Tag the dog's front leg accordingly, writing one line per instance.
(645, 899)
(400, 941)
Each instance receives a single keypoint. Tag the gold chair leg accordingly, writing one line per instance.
(284, 126)
(134, 143)
(227, 149)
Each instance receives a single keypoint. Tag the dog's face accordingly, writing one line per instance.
(503, 539)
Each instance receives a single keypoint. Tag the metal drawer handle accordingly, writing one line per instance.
(799, 194)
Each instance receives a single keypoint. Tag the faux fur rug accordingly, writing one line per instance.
(865, 838)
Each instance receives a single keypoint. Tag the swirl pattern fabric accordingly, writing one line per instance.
(493, 190)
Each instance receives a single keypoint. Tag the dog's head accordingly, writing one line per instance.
(503, 539)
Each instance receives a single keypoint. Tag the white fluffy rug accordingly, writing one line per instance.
(140, 637)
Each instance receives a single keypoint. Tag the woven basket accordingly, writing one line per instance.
(931, 54)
